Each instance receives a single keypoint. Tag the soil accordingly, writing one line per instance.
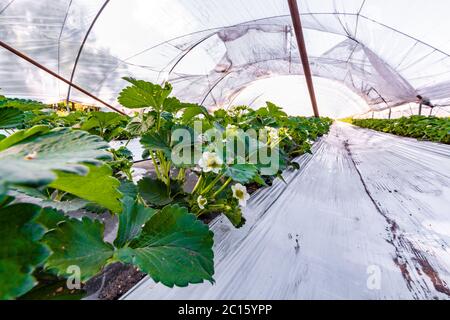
(113, 282)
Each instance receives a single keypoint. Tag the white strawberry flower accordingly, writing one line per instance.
(231, 130)
(285, 132)
(202, 202)
(272, 133)
(241, 194)
(179, 114)
(201, 138)
(210, 162)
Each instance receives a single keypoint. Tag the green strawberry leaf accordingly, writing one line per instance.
(141, 124)
(275, 111)
(128, 189)
(173, 105)
(78, 243)
(154, 192)
(22, 135)
(155, 141)
(50, 218)
(259, 180)
(32, 155)
(97, 186)
(11, 118)
(193, 110)
(35, 196)
(102, 120)
(131, 220)
(144, 94)
(20, 251)
(242, 173)
(174, 248)
(51, 287)
(21, 104)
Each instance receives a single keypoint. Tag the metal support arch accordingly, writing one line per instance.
(40, 66)
(293, 7)
(82, 47)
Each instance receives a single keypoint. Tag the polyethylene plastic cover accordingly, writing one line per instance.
(388, 52)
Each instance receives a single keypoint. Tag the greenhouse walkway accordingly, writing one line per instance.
(367, 217)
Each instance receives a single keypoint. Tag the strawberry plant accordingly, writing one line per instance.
(57, 171)
(108, 125)
(71, 164)
(419, 127)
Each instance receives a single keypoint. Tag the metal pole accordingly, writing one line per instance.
(293, 7)
(82, 47)
(420, 109)
(390, 113)
(40, 66)
(212, 88)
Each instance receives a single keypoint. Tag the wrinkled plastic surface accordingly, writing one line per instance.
(366, 217)
(386, 51)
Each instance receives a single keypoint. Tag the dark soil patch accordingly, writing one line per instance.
(113, 282)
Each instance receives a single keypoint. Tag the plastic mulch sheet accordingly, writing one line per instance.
(366, 217)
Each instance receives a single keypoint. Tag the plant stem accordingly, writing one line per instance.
(222, 187)
(165, 168)
(128, 174)
(158, 122)
(168, 165)
(181, 174)
(211, 185)
(197, 185)
(141, 200)
(212, 208)
(158, 173)
(102, 133)
(201, 212)
(59, 196)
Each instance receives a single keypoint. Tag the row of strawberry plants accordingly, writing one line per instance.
(53, 165)
(25, 114)
(419, 127)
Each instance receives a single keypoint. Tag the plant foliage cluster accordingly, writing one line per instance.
(419, 127)
(56, 165)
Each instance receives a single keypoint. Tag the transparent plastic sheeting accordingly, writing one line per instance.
(386, 51)
(407, 110)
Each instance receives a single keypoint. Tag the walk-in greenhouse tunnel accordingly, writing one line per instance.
(224, 149)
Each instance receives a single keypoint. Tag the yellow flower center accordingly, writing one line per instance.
(239, 194)
(212, 162)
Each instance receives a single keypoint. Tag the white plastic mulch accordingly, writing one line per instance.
(366, 217)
